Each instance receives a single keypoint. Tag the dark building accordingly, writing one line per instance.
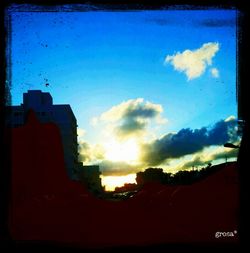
(42, 104)
(150, 175)
(89, 175)
(62, 115)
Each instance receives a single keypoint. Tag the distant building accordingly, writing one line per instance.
(90, 176)
(127, 187)
(150, 175)
(46, 111)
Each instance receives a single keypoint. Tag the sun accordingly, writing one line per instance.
(126, 151)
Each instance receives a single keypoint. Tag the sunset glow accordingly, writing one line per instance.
(126, 151)
(110, 182)
(149, 89)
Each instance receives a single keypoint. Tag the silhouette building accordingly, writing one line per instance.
(42, 104)
(89, 175)
(150, 175)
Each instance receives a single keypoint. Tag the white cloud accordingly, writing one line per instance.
(214, 72)
(117, 112)
(132, 117)
(230, 118)
(80, 132)
(193, 62)
(137, 107)
(94, 121)
(90, 154)
(213, 154)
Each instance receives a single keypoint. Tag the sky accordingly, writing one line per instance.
(148, 88)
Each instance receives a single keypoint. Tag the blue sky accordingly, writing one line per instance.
(96, 60)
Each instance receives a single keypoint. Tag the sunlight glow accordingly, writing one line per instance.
(127, 151)
(110, 182)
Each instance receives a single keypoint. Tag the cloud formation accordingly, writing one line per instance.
(80, 132)
(164, 150)
(132, 117)
(111, 168)
(89, 154)
(214, 72)
(192, 21)
(215, 23)
(188, 141)
(193, 62)
(201, 160)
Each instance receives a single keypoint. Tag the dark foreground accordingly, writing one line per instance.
(45, 206)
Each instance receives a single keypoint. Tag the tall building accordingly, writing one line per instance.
(46, 111)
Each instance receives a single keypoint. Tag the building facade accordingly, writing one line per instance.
(62, 115)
